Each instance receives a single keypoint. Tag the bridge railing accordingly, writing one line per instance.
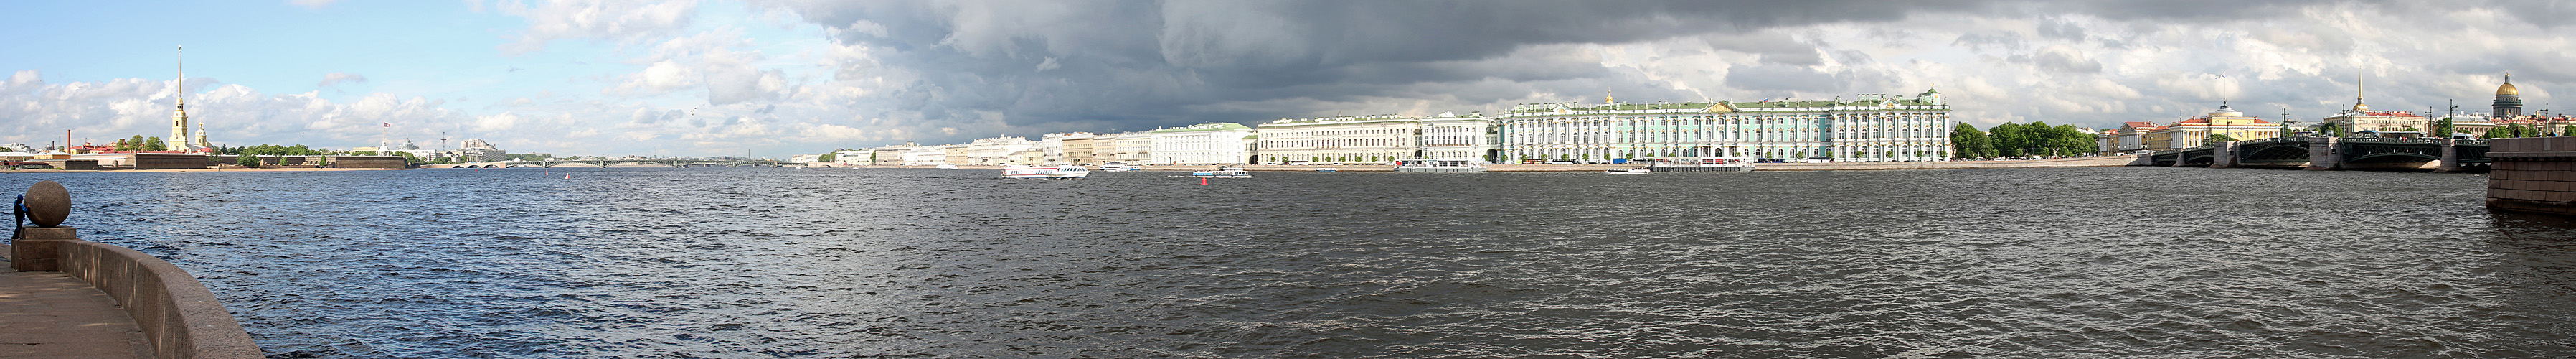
(2424, 141)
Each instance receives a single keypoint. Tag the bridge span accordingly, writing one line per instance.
(2332, 153)
(652, 162)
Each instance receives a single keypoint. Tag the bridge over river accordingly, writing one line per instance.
(2332, 153)
(667, 162)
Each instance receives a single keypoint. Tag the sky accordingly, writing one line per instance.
(773, 78)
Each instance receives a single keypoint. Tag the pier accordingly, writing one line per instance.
(2534, 175)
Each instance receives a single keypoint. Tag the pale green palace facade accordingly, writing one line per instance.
(1871, 128)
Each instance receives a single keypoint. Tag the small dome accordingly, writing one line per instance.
(2508, 89)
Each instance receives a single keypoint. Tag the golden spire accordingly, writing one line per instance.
(2358, 90)
(1606, 99)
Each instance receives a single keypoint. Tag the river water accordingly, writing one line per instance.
(774, 262)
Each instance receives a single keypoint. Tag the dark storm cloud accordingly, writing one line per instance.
(1048, 66)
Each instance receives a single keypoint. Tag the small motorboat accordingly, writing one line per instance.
(945, 166)
(1631, 171)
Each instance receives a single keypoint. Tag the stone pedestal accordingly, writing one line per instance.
(40, 250)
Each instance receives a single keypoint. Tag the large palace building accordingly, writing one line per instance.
(1871, 128)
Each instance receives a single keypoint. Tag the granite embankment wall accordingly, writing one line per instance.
(177, 314)
(2533, 175)
(2112, 161)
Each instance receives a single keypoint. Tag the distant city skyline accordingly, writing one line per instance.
(776, 78)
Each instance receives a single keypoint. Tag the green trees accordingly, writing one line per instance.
(2513, 131)
(155, 144)
(249, 161)
(2443, 128)
(2034, 139)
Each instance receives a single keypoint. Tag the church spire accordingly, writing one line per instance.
(2358, 90)
(178, 140)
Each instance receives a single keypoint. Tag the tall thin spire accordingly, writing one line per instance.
(2358, 90)
(178, 140)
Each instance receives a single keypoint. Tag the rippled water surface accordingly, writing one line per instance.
(761, 262)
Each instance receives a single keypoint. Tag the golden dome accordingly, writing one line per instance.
(2507, 89)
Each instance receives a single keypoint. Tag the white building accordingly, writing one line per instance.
(996, 151)
(1203, 144)
(1376, 138)
(1447, 136)
(1871, 128)
(925, 156)
(1345, 139)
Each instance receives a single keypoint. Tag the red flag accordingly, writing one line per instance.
(389, 124)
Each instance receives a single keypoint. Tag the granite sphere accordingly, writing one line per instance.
(48, 203)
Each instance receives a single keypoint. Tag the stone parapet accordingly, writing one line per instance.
(177, 314)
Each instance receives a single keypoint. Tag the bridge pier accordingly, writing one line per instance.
(2223, 155)
(2450, 156)
(2324, 153)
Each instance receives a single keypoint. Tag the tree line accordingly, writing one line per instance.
(2017, 140)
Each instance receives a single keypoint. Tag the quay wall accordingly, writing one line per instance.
(178, 315)
(2107, 161)
(368, 162)
(2533, 175)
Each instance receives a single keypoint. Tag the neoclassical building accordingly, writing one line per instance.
(1203, 144)
(1376, 138)
(2194, 132)
(1872, 127)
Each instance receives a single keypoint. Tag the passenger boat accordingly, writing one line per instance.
(1119, 167)
(1439, 165)
(1221, 172)
(1631, 171)
(1324, 170)
(945, 166)
(1704, 164)
(1026, 171)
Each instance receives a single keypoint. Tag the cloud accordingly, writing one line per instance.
(234, 115)
(336, 78)
(614, 20)
(312, 4)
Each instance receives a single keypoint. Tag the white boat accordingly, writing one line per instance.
(1120, 167)
(945, 166)
(1221, 172)
(1631, 171)
(1703, 164)
(1439, 165)
(1063, 171)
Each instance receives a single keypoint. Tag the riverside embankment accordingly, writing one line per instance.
(2110, 161)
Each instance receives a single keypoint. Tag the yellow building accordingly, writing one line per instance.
(2195, 131)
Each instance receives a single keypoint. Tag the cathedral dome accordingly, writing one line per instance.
(2508, 89)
